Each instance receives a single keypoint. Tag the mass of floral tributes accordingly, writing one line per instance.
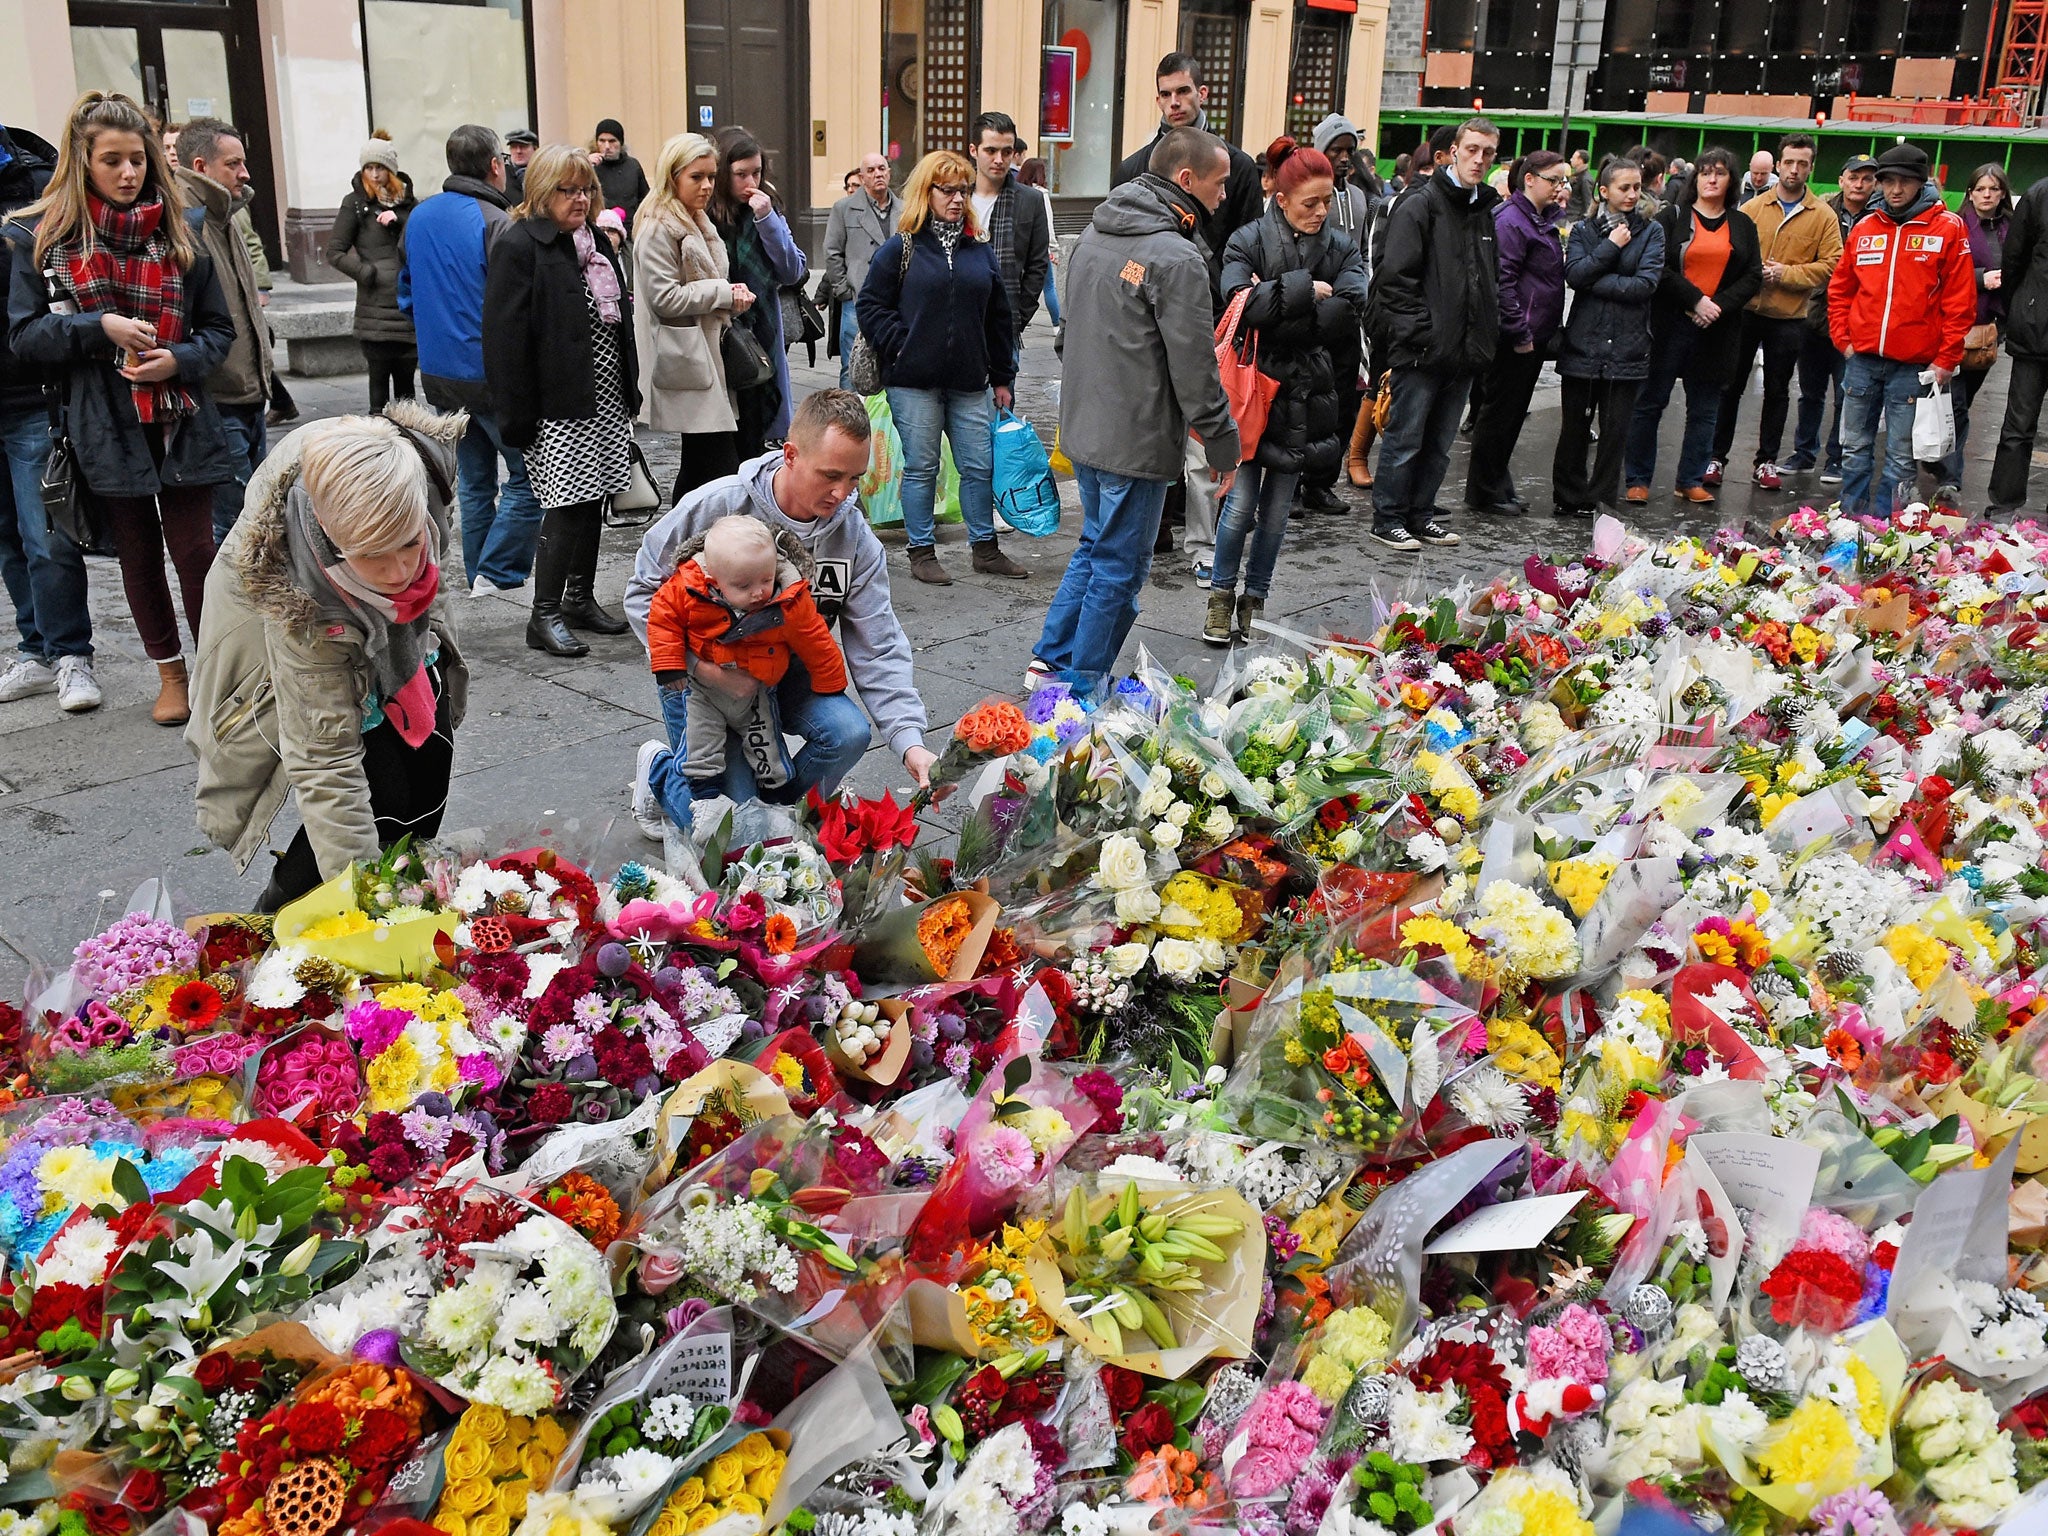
(1575, 1051)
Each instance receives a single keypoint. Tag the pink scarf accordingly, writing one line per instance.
(598, 275)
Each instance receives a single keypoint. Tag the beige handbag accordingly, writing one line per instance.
(1980, 346)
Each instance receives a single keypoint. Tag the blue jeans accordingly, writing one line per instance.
(1877, 390)
(1695, 449)
(966, 419)
(498, 532)
(1257, 494)
(1097, 602)
(1820, 366)
(836, 736)
(242, 425)
(43, 570)
(1415, 450)
(1052, 295)
(849, 327)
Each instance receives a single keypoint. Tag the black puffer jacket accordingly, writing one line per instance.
(1436, 294)
(366, 248)
(1607, 335)
(2025, 283)
(30, 161)
(1297, 332)
(113, 452)
(540, 358)
(1704, 357)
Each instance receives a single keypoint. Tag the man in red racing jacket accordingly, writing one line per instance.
(1901, 299)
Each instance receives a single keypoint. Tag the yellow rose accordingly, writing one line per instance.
(504, 1459)
(486, 1420)
(548, 1431)
(492, 1522)
(725, 1476)
(468, 1457)
(761, 1484)
(710, 1514)
(469, 1496)
(450, 1524)
(512, 1497)
(745, 1504)
(537, 1461)
(687, 1496)
(667, 1524)
(754, 1451)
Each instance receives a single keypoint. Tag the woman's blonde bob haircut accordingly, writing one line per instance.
(558, 168)
(677, 155)
(941, 167)
(367, 484)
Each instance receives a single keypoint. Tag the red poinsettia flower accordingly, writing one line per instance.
(885, 824)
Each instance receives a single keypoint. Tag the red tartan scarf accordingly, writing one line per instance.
(125, 268)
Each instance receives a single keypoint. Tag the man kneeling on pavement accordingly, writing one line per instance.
(807, 492)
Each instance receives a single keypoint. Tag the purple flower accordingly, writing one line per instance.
(135, 948)
(374, 1027)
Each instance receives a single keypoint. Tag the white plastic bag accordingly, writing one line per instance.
(1934, 423)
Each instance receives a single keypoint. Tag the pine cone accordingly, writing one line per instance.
(316, 973)
(1837, 966)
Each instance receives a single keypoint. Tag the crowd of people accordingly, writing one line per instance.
(548, 299)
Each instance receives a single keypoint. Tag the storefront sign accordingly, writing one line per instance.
(1056, 98)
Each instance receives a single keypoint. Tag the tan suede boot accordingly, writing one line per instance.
(1361, 445)
(173, 700)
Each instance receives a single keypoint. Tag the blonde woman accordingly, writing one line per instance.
(564, 376)
(109, 293)
(365, 246)
(686, 299)
(326, 666)
(935, 311)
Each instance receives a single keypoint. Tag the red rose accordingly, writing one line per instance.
(381, 1435)
(1125, 1388)
(1147, 1429)
(143, 1491)
(213, 1371)
(315, 1428)
(247, 1374)
(988, 1383)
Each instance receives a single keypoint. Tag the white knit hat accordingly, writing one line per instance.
(378, 152)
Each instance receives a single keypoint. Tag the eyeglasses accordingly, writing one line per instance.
(579, 191)
(952, 191)
(1555, 181)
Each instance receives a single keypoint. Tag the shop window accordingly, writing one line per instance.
(1315, 80)
(1090, 67)
(1213, 31)
(434, 67)
(930, 82)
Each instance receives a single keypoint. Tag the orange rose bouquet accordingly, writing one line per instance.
(993, 729)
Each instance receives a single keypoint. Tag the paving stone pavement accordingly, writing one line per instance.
(93, 804)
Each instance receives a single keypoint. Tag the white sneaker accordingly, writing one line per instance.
(77, 691)
(26, 678)
(647, 813)
(483, 586)
(1036, 676)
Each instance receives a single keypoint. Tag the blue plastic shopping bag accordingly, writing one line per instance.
(1025, 492)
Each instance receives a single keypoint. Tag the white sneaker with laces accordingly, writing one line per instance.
(483, 586)
(647, 812)
(26, 678)
(77, 690)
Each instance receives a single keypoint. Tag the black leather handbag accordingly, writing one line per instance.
(747, 363)
(68, 507)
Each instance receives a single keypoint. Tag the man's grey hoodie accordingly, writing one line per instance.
(851, 585)
(1140, 359)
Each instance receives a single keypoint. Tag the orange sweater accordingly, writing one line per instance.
(689, 617)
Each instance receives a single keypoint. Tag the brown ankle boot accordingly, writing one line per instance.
(1361, 445)
(173, 700)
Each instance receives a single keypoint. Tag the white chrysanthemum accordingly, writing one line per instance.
(1736, 1419)
(1419, 1427)
(274, 983)
(520, 1387)
(526, 1321)
(79, 1254)
(464, 1318)
(1488, 1097)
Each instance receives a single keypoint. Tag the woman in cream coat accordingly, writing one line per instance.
(686, 300)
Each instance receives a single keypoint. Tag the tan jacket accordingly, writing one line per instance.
(683, 285)
(244, 379)
(1808, 244)
(277, 699)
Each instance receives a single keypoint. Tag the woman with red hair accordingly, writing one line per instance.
(1307, 293)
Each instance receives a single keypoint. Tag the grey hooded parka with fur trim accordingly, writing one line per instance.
(277, 699)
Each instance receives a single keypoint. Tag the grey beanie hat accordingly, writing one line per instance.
(1335, 126)
(378, 152)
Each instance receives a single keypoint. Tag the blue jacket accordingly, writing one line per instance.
(443, 257)
(939, 326)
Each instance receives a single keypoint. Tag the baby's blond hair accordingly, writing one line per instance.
(733, 540)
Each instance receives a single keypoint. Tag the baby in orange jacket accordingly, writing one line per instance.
(722, 631)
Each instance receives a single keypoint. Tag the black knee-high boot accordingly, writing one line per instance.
(553, 555)
(579, 599)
